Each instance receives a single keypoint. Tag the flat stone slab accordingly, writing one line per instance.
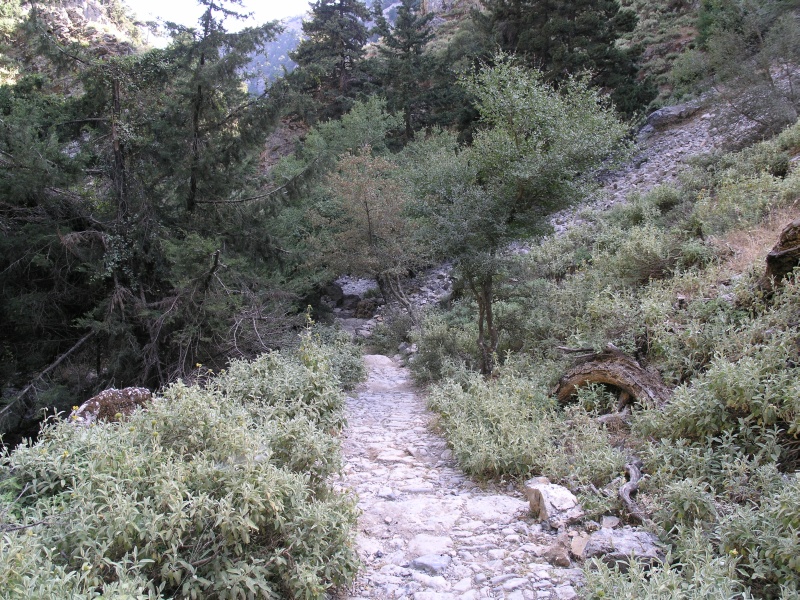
(620, 546)
(431, 563)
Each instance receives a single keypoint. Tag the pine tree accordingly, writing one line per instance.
(405, 68)
(104, 228)
(567, 37)
(328, 58)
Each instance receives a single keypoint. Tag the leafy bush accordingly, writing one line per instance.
(495, 428)
(511, 427)
(212, 492)
(695, 573)
(444, 340)
(766, 541)
(394, 330)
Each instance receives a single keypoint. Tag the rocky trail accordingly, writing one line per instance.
(427, 532)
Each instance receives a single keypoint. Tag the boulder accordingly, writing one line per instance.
(111, 405)
(784, 257)
(551, 503)
(670, 115)
(334, 292)
(620, 546)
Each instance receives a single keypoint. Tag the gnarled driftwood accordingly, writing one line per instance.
(614, 368)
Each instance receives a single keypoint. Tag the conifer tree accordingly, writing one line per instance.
(328, 58)
(405, 67)
(566, 37)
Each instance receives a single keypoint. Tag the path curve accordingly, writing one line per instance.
(427, 532)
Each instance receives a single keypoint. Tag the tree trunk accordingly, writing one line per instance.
(194, 168)
(487, 333)
(119, 175)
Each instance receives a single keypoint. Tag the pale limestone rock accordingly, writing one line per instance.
(551, 503)
(578, 544)
(424, 544)
(610, 522)
(618, 546)
(431, 563)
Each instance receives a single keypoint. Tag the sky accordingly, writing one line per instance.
(186, 12)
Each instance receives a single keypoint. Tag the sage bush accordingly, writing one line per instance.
(219, 491)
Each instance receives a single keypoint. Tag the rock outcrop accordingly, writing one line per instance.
(111, 405)
(784, 257)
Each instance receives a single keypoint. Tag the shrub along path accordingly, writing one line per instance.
(427, 532)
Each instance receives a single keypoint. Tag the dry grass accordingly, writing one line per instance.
(749, 248)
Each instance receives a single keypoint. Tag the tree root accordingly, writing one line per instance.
(634, 471)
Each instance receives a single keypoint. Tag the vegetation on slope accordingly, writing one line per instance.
(674, 279)
(142, 238)
(219, 490)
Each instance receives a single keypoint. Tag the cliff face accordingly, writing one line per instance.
(90, 23)
(443, 6)
(102, 28)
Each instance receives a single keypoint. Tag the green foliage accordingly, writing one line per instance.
(748, 48)
(495, 428)
(103, 233)
(405, 68)
(766, 540)
(509, 426)
(531, 156)
(570, 37)
(651, 278)
(389, 334)
(328, 58)
(216, 492)
(444, 340)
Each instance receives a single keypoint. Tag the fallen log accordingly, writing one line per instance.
(612, 367)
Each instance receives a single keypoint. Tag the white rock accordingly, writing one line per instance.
(431, 563)
(551, 503)
(618, 546)
(424, 544)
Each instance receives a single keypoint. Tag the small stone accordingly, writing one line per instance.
(566, 592)
(423, 544)
(610, 522)
(558, 556)
(578, 544)
(480, 578)
(463, 585)
(431, 563)
(387, 493)
(513, 584)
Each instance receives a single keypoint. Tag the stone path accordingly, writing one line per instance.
(428, 532)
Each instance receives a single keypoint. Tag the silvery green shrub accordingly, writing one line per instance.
(211, 492)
